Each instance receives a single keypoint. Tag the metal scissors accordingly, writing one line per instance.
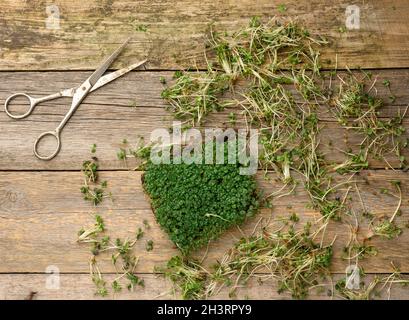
(95, 81)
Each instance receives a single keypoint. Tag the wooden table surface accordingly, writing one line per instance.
(41, 208)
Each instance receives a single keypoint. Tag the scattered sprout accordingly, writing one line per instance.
(149, 245)
(387, 229)
(373, 288)
(90, 190)
(122, 257)
(281, 8)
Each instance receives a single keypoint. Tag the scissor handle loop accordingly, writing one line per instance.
(56, 135)
(32, 102)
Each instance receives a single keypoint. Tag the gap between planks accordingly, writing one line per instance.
(175, 31)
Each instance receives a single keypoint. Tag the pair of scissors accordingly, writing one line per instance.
(95, 81)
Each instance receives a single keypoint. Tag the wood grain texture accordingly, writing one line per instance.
(80, 287)
(41, 213)
(175, 31)
(132, 107)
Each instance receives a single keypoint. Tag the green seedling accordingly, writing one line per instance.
(90, 190)
(188, 277)
(122, 257)
(196, 203)
(149, 245)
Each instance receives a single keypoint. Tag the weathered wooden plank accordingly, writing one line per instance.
(80, 287)
(41, 213)
(107, 116)
(143, 89)
(108, 133)
(174, 36)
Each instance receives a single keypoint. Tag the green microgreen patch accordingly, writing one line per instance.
(195, 203)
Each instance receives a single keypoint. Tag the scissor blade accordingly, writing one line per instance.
(101, 70)
(114, 75)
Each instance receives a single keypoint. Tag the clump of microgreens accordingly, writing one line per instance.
(385, 227)
(262, 48)
(359, 251)
(122, 257)
(289, 127)
(187, 275)
(91, 189)
(285, 254)
(355, 162)
(387, 84)
(357, 109)
(373, 288)
(356, 249)
(193, 96)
